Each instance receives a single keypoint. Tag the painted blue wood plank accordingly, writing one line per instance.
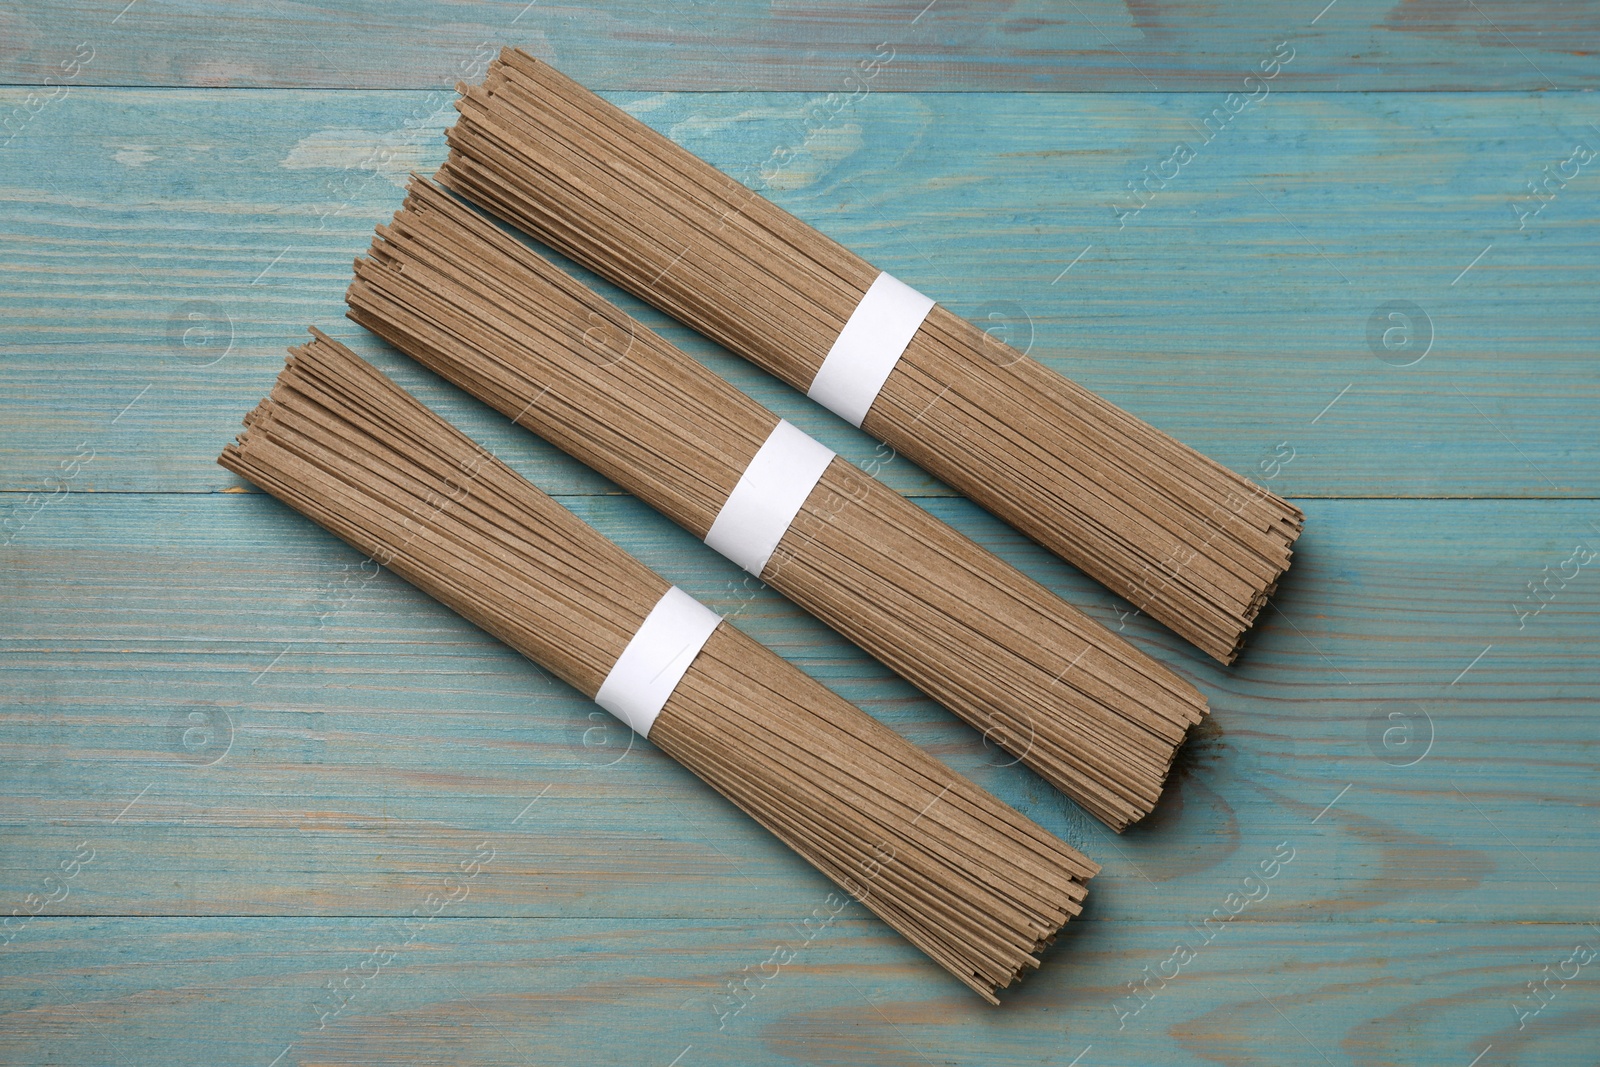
(1429, 758)
(827, 46)
(828, 991)
(164, 247)
(271, 755)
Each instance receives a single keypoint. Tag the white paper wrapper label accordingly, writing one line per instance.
(769, 495)
(871, 343)
(655, 661)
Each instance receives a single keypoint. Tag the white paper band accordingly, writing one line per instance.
(769, 495)
(655, 661)
(868, 347)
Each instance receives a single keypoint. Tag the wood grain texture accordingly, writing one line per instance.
(1027, 45)
(151, 242)
(371, 728)
(521, 991)
(271, 756)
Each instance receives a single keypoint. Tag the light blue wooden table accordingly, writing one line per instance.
(232, 762)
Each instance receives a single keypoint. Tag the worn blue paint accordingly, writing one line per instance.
(231, 759)
(823, 46)
(183, 253)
